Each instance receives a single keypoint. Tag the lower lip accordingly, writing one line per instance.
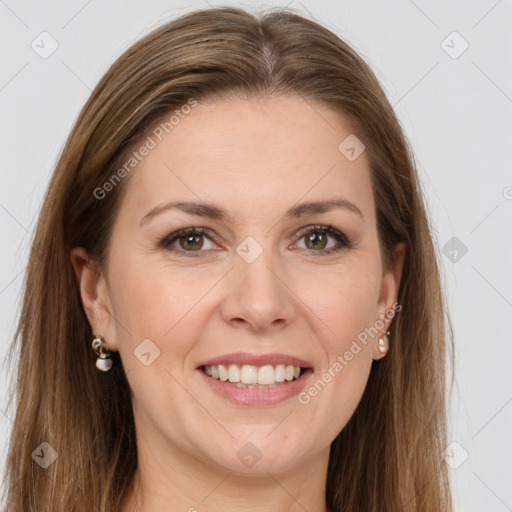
(257, 396)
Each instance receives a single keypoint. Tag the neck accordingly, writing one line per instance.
(173, 479)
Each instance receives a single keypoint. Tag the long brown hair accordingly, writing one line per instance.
(389, 455)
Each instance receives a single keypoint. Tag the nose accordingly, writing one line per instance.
(257, 295)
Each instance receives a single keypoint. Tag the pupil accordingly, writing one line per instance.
(317, 240)
(190, 238)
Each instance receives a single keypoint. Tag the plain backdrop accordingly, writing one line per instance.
(446, 68)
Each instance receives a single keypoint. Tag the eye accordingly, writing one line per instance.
(189, 240)
(316, 239)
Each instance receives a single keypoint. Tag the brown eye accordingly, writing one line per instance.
(189, 240)
(317, 239)
(193, 242)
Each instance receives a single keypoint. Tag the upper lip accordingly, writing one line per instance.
(242, 358)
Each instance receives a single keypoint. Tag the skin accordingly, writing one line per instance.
(256, 159)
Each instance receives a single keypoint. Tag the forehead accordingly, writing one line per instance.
(251, 155)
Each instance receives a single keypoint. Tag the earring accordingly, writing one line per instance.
(384, 342)
(104, 361)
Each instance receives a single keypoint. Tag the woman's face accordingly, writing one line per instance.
(262, 277)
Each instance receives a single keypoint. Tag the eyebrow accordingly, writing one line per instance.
(213, 211)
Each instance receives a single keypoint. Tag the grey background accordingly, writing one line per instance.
(455, 109)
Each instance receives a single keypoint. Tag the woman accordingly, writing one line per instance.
(233, 299)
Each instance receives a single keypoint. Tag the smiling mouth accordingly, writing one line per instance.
(252, 376)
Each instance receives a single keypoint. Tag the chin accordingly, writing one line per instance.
(258, 456)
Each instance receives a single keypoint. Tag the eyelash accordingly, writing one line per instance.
(340, 237)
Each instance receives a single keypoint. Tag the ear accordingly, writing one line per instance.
(94, 294)
(389, 290)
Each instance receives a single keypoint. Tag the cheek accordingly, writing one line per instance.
(345, 298)
(348, 307)
(346, 302)
(157, 302)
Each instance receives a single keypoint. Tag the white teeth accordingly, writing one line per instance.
(266, 375)
(288, 373)
(253, 386)
(251, 376)
(280, 373)
(234, 373)
(223, 373)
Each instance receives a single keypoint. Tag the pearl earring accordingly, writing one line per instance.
(384, 343)
(104, 361)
